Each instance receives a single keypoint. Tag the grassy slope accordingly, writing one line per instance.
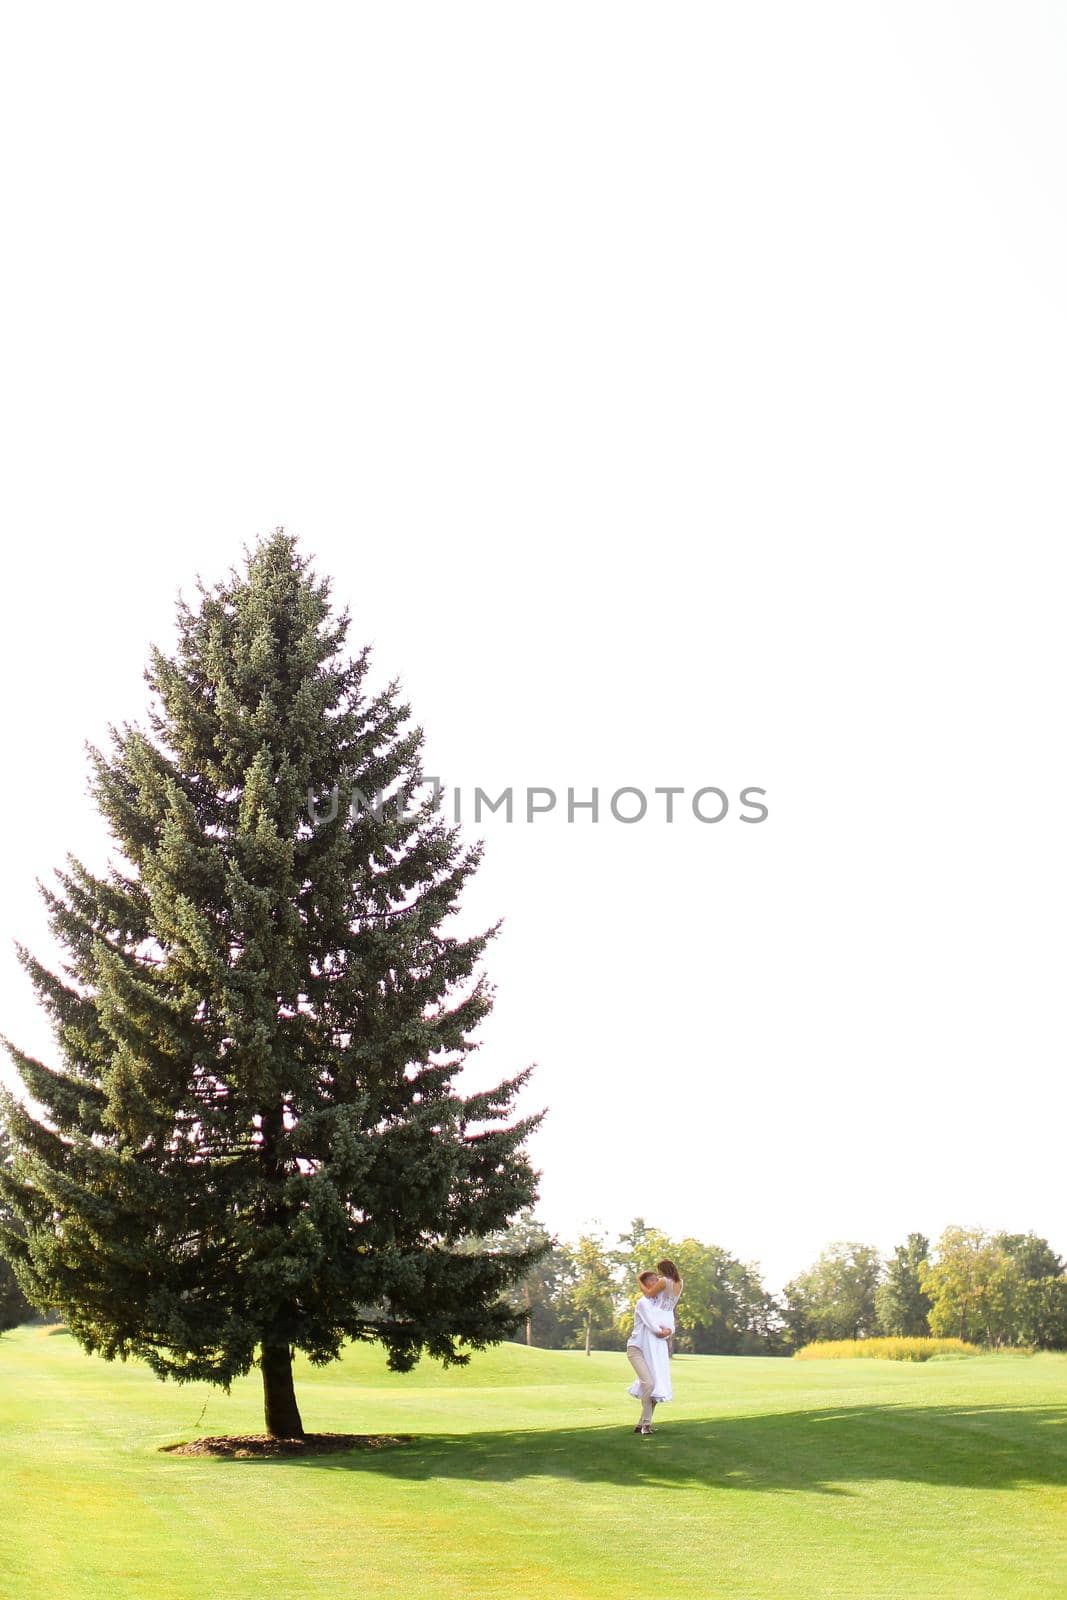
(767, 1478)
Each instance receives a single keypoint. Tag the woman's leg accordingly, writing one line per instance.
(645, 1381)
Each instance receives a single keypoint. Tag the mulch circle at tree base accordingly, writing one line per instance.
(262, 1447)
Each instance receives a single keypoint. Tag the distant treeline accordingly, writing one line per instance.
(1004, 1289)
(1000, 1290)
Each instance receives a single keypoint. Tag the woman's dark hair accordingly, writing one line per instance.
(669, 1270)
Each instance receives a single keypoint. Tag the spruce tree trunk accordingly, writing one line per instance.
(588, 1334)
(280, 1410)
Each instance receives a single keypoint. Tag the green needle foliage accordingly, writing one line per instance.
(14, 1307)
(255, 1143)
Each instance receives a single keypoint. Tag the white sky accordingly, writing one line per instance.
(677, 397)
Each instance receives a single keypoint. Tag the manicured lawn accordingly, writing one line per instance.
(852, 1479)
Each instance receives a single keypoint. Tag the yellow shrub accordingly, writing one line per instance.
(884, 1349)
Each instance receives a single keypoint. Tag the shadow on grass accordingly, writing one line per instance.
(984, 1447)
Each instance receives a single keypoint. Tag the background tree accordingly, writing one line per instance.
(1034, 1257)
(254, 1143)
(1003, 1288)
(798, 1314)
(835, 1298)
(902, 1305)
(1042, 1296)
(538, 1294)
(636, 1250)
(973, 1285)
(592, 1289)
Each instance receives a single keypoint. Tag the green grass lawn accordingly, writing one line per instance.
(864, 1479)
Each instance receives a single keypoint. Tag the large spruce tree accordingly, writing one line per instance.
(255, 1142)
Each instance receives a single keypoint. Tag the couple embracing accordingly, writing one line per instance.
(648, 1345)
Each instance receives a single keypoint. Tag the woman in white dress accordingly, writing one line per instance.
(669, 1294)
(647, 1349)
